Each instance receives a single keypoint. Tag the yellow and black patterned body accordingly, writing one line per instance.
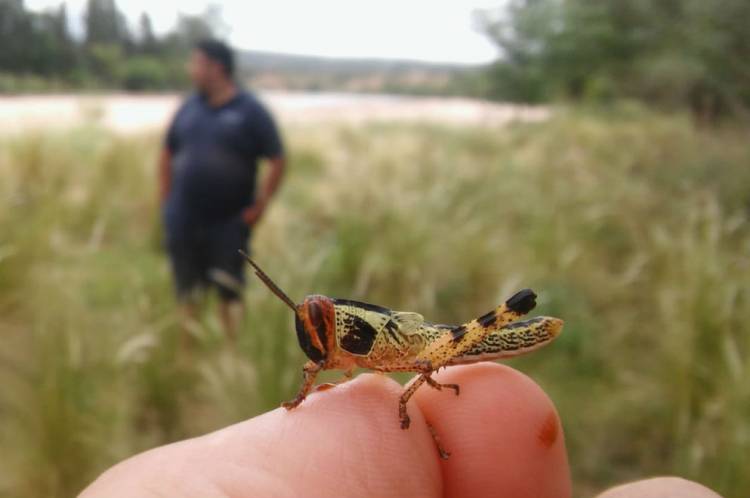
(377, 338)
(344, 334)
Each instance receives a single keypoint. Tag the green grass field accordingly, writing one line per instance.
(633, 227)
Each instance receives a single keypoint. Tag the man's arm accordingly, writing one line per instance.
(252, 214)
(165, 175)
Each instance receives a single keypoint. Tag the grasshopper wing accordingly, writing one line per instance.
(408, 322)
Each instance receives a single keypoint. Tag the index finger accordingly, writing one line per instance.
(503, 432)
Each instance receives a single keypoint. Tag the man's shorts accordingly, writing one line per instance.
(208, 256)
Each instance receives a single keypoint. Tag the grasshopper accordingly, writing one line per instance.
(343, 334)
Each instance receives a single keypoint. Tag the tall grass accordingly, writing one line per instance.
(632, 226)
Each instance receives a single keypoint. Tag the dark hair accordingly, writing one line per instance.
(218, 51)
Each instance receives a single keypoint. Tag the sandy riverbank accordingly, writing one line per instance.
(135, 113)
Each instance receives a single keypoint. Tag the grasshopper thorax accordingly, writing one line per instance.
(315, 321)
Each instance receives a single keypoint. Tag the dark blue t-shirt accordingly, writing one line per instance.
(214, 158)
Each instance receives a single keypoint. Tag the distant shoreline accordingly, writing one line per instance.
(131, 112)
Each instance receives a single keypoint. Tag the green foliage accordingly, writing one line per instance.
(149, 42)
(39, 54)
(105, 60)
(104, 23)
(143, 73)
(34, 43)
(632, 227)
(677, 54)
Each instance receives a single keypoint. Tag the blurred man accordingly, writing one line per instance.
(207, 178)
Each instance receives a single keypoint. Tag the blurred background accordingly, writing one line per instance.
(442, 155)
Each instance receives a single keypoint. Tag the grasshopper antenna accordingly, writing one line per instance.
(270, 283)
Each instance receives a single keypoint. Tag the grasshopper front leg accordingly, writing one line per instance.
(330, 385)
(310, 371)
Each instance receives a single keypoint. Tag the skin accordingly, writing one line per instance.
(210, 78)
(348, 438)
(503, 432)
(660, 487)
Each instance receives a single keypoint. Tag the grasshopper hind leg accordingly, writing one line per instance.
(436, 385)
(409, 392)
(405, 396)
(404, 416)
(444, 454)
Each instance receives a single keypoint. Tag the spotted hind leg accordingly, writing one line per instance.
(405, 396)
(436, 385)
(409, 392)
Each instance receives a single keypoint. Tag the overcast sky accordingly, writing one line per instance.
(433, 30)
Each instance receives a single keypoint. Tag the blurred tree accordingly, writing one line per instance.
(37, 50)
(673, 53)
(105, 60)
(53, 51)
(104, 23)
(189, 30)
(146, 37)
(15, 35)
(34, 43)
(66, 46)
(143, 73)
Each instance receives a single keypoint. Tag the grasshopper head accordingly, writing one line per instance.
(315, 318)
(315, 321)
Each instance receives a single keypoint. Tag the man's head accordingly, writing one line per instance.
(211, 63)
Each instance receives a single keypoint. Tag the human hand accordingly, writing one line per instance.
(252, 214)
(503, 433)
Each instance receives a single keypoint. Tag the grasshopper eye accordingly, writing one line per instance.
(315, 314)
(303, 337)
(314, 318)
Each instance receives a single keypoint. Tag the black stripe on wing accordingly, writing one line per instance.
(359, 304)
(359, 336)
